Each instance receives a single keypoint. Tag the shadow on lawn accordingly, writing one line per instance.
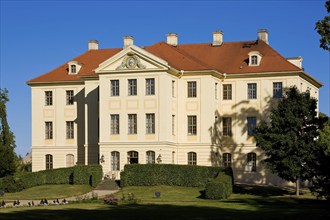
(258, 208)
(264, 191)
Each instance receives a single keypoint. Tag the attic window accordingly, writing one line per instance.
(73, 69)
(254, 58)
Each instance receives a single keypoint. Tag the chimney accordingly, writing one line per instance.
(263, 35)
(217, 38)
(172, 39)
(93, 45)
(128, 41)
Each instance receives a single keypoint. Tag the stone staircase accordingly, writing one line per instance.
(108, 184)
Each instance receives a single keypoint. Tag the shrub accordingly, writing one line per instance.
(219, 188)
(168, 174)
(80, 174)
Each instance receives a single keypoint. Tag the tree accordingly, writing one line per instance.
(288, 139)
(7, 139)
(320, 177)
(323, 28)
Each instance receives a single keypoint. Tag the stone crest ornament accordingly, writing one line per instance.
(131, 61)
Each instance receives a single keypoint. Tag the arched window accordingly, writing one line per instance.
(69, 160)
(226, 159)
(254, 60)
(49, 161)
(150, 156)
(192, 158)
(73, 69)
(132, 157)
(115, 160)
(251, 162)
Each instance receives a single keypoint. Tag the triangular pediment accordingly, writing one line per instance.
(132, 59)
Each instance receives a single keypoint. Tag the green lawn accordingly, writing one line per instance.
(48, 191)
(250, 202)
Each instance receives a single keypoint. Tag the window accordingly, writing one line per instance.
(192, 125)
(69, 130)
(254, 60)
(192, 158)
(49, 161)
(48, 130)
(114, 87)
(48, 98)
(277, 89)
(73, 69)
(150, 86)
(216, 90)
(226, 160)
(150, 157)
(173, 124)
(150, 123)
(251, 125)
(227, 92)
(226, 126)
(115, 160)
(251, 162)
(69, 160)
(173, 88)
(132, 157)
(69, 97)
(132, 124)
(132, 87)
(252, 90)
(114, 124)
(192, 87)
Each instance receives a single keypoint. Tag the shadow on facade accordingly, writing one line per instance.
(239, 144)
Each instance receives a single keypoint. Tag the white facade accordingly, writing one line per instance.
(111, 117)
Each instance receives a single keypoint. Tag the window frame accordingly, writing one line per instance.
(150, 157)
(49, 162)
(150, 123)
(252, 162)
(69, 130)
(254, 60)
(251, 125)
(132, 87)
(192, 158)
(191, 89)
(73, 68)
(132, 123)
(114, 87)
(48, 98)
(48, 130)
(192, 125)
(115, 161)
(227, 126)
(150, 86)
(226, 159)
(252, 90)
(277, 91)
(114, 124)
(227, 91)
(69, 97)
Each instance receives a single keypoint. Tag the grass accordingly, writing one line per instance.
(49, 192)
(248, 202)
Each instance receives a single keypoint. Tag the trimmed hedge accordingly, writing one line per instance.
(219, 188)
(168, 174)
(80, 174)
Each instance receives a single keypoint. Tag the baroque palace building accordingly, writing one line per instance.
(194, 104)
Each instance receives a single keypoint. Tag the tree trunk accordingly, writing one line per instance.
(297, 187)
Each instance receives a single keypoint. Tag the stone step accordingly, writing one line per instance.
(107, 184)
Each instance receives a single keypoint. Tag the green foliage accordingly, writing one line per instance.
(7, 140)
(289, 139)
(219, 188)
(323, 29)
(168, 174)
(81, 174)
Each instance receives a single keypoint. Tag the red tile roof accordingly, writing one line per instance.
(230, 58)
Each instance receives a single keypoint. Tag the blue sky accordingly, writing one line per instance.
(38, 36)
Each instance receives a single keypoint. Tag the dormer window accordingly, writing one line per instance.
(73, 67)
(254, 58)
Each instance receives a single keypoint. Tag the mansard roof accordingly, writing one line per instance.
(229, 58)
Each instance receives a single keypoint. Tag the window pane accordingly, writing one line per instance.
(48, 98)
(277, 90)
(114, 87)
(69, 130)
(252, 90)
(48, 130)
(115, 161)
(69, 97)
(114, 124)
(132, 124)
(150, 86)
(227, 92)
(226, 160)
(226, 126)
(150, 123)
(132, 87)
(251, 125)
(192, 87)
(192, 125)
